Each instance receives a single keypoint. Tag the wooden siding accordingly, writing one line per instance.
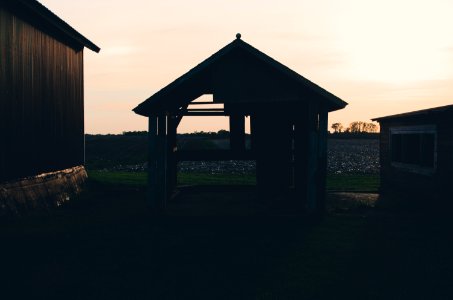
(439, 183)
(41, 101)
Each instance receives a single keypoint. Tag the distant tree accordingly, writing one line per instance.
(129, 133)
(371, 127)
(337, 127)
(222, 133)
(355, 127)
(359, 126)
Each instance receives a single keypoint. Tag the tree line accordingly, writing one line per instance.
(219, 134)
(355, 127)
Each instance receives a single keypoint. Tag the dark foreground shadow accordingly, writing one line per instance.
(106, 246)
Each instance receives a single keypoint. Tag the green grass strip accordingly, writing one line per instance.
(369, 183)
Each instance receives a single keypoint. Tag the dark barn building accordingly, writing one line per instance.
(288, 120)
(41, 101)
(416, 153)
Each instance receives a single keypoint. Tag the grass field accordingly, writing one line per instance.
(368, 183)
(129, 153)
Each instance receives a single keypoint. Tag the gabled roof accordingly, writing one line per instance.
(42, 18)
(164, 94)
(423, 112)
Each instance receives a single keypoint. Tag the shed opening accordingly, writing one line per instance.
(414, 147)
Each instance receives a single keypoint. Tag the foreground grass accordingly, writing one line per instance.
(352, 182)
(368, 183)
(105, 245)
(139, 178)
(136, 179)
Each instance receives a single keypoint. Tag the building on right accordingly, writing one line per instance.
(416, 153)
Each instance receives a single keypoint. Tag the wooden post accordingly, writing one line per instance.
(253, 145)
(258, 149)
(322, 161)
(237, 133)
(171, 155)
(161, 161)
(312, 156)
(305, 158)
(285, 152)
(301, 160)
(152, 163)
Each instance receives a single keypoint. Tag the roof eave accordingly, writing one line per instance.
(429, 111)
(46, 18)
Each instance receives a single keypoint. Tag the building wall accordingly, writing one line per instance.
(41, 101)
(438, 183)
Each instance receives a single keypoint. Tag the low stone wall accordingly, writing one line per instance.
(40, 192)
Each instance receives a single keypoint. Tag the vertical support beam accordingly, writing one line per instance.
(306, 158)
(237, 132)
(301, 152)
(259, 149)
(161, 161)
(171, 155)
(322, 161)
(286, 149)
(312, 167)
(152, 164)
(253, 145)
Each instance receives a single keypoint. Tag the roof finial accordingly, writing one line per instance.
(238, 35)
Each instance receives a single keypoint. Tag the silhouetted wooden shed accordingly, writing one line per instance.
(416, 152)
(288, 117)
(41, 94)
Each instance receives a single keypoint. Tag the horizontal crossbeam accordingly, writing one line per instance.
(203, 113)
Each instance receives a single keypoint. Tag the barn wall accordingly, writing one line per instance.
(439, 183)
(41, 107)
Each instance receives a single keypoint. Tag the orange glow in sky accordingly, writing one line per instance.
(382, 57)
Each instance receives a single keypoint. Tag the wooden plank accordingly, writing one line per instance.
(301, 157)
(152, 164)
(322, 162)
(253, 142)
(171, 155)
(203, 103)
(201, 114)
(161, 161)
(312, 156)
(179, 114)
(41, 90)
(258, 148)
(205, 110)
(237, 132)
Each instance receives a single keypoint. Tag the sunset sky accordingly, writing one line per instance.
(382, 57)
